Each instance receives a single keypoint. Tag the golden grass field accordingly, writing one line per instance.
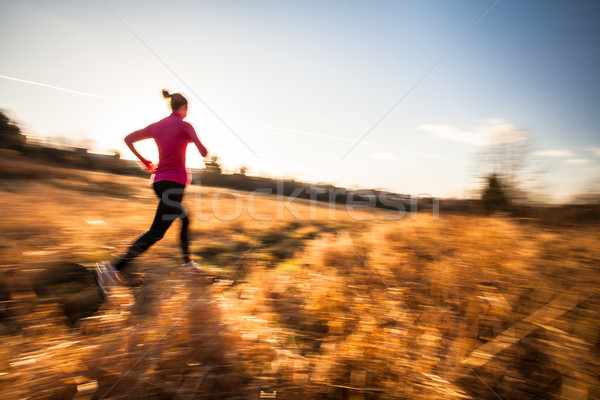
(311, 302)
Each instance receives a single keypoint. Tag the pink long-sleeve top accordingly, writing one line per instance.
(172, 135)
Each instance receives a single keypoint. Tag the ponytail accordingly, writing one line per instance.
(177, 100)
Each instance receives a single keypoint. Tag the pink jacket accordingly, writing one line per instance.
(172, 135)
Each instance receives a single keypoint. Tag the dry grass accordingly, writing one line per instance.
(322, 308)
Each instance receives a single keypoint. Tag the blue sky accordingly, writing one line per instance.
(298, 83)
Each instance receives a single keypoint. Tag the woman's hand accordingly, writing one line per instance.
(150, 166)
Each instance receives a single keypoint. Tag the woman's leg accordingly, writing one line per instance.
(169, 208)
(185, 247)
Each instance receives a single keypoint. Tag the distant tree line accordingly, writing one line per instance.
(211, 175)
(499, 191)
(10, 134)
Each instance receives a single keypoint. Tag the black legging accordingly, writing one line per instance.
(169, 209)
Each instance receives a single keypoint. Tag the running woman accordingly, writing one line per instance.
(172, 135)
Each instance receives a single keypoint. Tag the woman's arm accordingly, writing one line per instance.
(136, 137)
(194, 138)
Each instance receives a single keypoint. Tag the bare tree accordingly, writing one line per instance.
(506, 171)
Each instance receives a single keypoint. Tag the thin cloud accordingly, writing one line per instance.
(434, 156)
(496, 131)
(553, 153)
(383, 156)
(578, 161)
(97, 96)
(284, 132)
(313, 134)
(596, 151)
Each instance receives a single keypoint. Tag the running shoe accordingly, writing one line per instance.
(107, 277)
(191, 267)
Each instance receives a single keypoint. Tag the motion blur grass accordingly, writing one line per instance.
(306, 308)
